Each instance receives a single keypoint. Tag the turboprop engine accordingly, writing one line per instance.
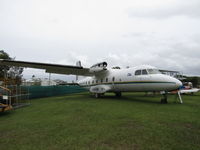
(98, 67)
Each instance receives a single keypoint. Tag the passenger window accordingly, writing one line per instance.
(153, 71)
(138, 72)
(113, 79)
(144, 72)
(88, 82)
(96, 81)
(106, 79)
(101, 80)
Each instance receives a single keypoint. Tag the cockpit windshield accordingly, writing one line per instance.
(153, 71)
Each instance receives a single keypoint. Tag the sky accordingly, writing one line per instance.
(164, 34)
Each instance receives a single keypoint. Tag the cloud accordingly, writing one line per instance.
(124, 33)
(168, 10)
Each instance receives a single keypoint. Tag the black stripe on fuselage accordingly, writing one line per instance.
(128, 82)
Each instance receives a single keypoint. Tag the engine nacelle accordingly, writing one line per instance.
(100, 89)
(98, 67)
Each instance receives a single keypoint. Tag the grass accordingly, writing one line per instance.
(80, 121)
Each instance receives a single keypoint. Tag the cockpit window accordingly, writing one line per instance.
(144, 72)
(153, 71)
(138, 72)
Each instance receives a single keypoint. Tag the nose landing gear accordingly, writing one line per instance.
(164, 99)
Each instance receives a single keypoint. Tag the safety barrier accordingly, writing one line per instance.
(48, 91)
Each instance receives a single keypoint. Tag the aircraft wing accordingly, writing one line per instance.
(168, 71)
(49, 68)
(176, 74)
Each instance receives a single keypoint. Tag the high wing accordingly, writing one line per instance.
(49, 68)
(168, 71)
(175, 74)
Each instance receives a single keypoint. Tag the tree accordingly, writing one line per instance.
(4, 69)
(12, 73)
(194, 79)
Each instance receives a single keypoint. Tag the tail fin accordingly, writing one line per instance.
(78, 63)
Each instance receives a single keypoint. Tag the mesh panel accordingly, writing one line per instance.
(47, 91)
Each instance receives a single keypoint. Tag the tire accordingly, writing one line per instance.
(118, 94)
(97, 95)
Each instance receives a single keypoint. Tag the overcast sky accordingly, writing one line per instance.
(162, 33)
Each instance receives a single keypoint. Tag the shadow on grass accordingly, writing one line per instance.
(139, 99)
(132, 98)
(6, 113)
(193, 95)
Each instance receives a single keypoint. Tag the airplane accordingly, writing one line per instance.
(100, 79)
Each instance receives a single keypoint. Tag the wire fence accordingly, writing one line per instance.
(48, 91)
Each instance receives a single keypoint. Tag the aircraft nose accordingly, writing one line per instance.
(178, 83)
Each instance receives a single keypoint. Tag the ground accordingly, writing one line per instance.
(79, 121)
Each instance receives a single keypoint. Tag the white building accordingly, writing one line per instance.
(47, 82)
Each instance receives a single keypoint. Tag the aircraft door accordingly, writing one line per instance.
(137, 79)
(144, 77)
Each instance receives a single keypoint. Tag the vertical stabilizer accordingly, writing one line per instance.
(78, 63)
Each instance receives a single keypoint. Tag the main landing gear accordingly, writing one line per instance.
(164, 99)
(118, 94)
(97, 95)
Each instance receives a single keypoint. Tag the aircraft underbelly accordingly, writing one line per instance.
(100, 88)
(131, 87)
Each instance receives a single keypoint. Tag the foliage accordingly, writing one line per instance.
(12, 73)
(195, 80)
(3, 55)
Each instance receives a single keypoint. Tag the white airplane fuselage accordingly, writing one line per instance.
(143, 78)
(130, 80)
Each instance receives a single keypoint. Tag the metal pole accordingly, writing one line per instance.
(179, 95)
(49, 78)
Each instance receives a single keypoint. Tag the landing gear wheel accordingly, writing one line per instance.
(97, 95)
(118, 94)
(164, 99)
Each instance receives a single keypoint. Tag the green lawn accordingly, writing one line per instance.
(80, 121)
